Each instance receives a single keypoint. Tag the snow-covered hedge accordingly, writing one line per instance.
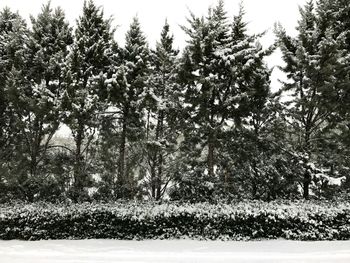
(244, 220)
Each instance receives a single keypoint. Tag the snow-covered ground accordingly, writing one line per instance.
(103, 251)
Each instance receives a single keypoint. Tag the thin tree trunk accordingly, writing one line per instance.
(35, 147)
(152, 157)
(153, 181)
(159, 177)
(121, 169)
(226, 189)
(211, 149)
(78, 169)
(307, 176)
(306, 185)
(159, 156)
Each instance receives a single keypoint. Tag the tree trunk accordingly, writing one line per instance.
(211, 149)
(121, 169)
(226, 186)
(306, 185)
(35, 148)
(78, 164)
(159, 156)
(152, 157)
(255, 180)
(307, 175)
(159, 177)
(34, 157)
(153, 181)
(33, 163)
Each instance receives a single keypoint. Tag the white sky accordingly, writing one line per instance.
(261, 15)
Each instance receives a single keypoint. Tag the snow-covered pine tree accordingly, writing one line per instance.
(258, 162)
(127, 91)
(334, 17)
(40, 109)
(13, 36)
(105, 157)
(225, 64)
(34, 91)
(204, 83)
(87, 68)
(162, 94)
(313, 60)
(243, 60)
(339, 25)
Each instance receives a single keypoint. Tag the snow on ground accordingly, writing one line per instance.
(103, 251)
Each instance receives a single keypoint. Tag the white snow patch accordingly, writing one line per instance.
(64, 131)
(96, 177)
(196, 73)
(331, 180)
(103, 251)
(91, 190)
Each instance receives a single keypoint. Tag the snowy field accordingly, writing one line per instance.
(105, 251)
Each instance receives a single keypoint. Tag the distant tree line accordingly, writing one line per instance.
(200, 124)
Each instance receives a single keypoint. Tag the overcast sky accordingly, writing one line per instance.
(261, 15)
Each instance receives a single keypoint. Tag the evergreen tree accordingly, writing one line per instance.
(34, 101)
(36, 92)
(204, 82)
(313, 60)
(47, 50)
(88, 65)
(106, 161)
(162, 108)
(261, 165)
(225, 64)
(13, 36)
(334, 17)
(127, 89)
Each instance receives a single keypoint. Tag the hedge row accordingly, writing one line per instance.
(240, 221)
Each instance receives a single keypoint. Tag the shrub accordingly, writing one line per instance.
(236, 221)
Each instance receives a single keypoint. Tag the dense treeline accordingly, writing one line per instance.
(200, 124)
